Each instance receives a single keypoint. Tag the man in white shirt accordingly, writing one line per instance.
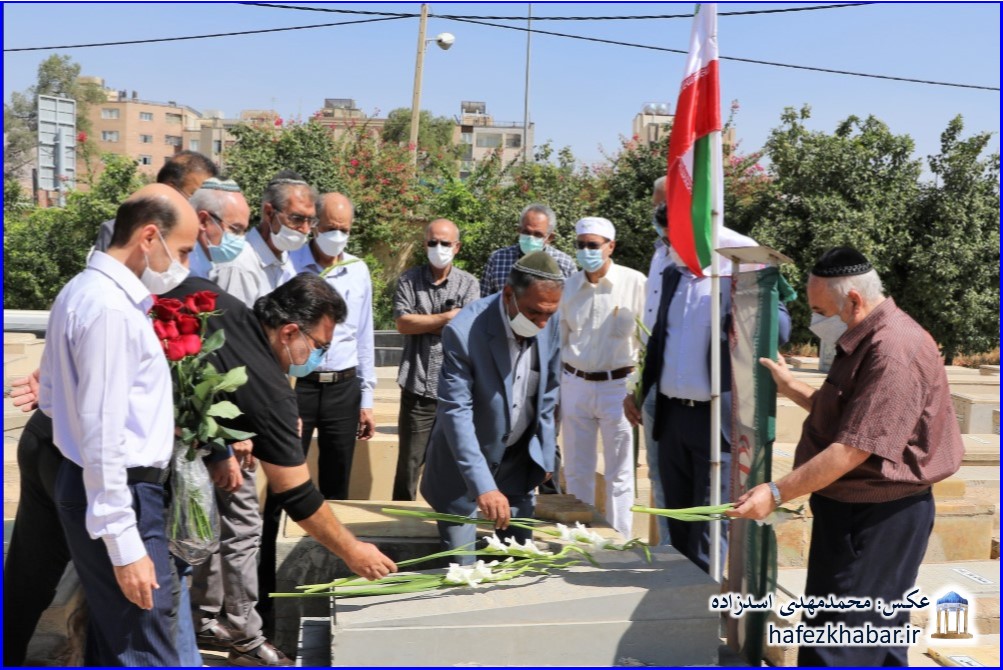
(106, 384)
(599, 348)
(288, 214)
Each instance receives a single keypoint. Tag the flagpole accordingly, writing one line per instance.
(715, 354)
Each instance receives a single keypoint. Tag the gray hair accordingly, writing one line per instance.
(520, 281)
(540, 209)
(279, 191)
(659, 184)
(868, 285)
(319, 204)
(209, 199)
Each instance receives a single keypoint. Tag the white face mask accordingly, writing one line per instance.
(159, 283)
(332, 243)
(521, 325)
(827, 328)
(440, 256)
(288, 239)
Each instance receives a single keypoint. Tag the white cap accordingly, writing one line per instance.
(595, 225)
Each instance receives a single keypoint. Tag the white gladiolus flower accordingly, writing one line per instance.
(496, 544)
(457, 574)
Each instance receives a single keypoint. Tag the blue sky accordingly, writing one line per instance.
(583, 94)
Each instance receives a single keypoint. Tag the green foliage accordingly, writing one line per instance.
(856, 186)
(45, 248)
(435, 133)
(950, 273)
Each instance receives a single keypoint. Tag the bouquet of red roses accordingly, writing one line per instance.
(193, 526)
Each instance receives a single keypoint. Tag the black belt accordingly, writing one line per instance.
(686, 402)
(619, 373)
(330, 377)
(144, 475)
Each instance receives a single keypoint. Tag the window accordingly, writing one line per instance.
(193, 145)
(146, 116)
(109, 136)
(466, 138)
(489, 140)
(172, 140)
(173, 118)
(217, 147)
(109, 113)
(145, 160)
(513, 141)
(146, 139)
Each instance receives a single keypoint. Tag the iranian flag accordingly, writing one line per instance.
(693, 186)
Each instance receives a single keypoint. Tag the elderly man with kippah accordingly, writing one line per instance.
(879, 433)
(599, 349)
(493, 441)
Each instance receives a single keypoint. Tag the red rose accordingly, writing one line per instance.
(187, 325)
(175, 349)
(203, 301)
(165, 330)
(191, 343)
(167, 309)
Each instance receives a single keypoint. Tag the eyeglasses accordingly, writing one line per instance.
(299, 220)
(431, 244)
(226, 229)
(317, 345)
(589, 245)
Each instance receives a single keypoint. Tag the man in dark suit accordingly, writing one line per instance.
(493, 441)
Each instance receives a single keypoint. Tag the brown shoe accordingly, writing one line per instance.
(265, 654)
(215, 636)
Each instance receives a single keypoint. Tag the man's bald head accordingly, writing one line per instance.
(336, 212)
(158, 204)
(442, 229)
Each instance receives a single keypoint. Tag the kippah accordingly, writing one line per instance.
(539, 264)
(841, 262)
(215, 184)
(596, 225)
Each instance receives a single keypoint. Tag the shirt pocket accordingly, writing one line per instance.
(624, 322)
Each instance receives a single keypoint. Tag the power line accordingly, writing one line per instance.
(731, 58)
(560, 18)
(202, 37)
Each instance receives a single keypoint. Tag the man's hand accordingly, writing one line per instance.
(779, 371)
(24, 392)
(756, 503)
(242, 450)
(367, 425)
(137, 581)
(226, 474)
(494, 505)
(365, 560)
(631, 410)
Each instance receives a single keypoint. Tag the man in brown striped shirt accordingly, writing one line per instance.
(879, 433)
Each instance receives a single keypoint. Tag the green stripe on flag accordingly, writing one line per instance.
(703, 194)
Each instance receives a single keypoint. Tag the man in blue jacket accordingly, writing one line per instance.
(493, 441)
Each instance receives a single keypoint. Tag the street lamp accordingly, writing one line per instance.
(444, 40)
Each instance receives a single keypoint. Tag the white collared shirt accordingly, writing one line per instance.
(255, 272)
(653, 286)
(599, 329)
(685, 369)
(353, 345)
(106, 384)
(525, 379)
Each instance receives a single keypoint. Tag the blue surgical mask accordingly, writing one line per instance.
(590, 259)
(228, 248)
(529, 244)
(312, 361)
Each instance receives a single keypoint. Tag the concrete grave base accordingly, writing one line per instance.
(628, 612)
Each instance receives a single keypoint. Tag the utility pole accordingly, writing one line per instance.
(419, 64)
(525, 109)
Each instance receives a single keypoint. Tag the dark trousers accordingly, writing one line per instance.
(120, 633)
(870, 550)
(414, 425)
(333, 409)
(684, 466)
(38, 555)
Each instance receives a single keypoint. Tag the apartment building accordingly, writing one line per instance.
(479, 135)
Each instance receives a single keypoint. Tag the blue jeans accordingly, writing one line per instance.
(187, 647)
(648, 414)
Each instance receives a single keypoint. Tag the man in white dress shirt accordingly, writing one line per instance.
(106, 385)
(599, 348)
(288, 214)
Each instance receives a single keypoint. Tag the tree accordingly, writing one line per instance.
(435, 133)
(952, 268)
(45, 247)
(856, 186)
(57, 76)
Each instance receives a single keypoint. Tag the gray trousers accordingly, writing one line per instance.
(225, 588)
(414, 425)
